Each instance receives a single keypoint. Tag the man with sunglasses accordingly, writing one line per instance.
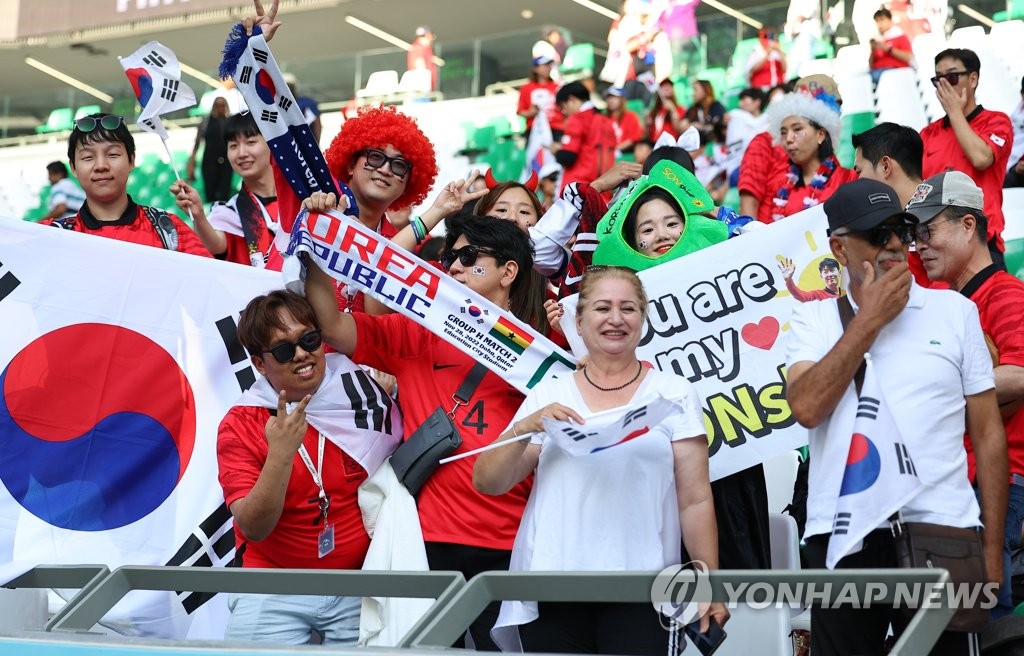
(930, 359)
(291, 456)
(951, 241)
(102, 155)
(463, 529)
(969, 138)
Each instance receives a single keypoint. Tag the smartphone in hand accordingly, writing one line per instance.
(707, 643)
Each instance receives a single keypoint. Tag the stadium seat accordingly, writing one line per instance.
(967, 37)
(637, 106)
(60, 119)
(502, 127)
(205, 103)
(125, 107)
(717, 77)
(737, 71)
(1015, 257)
(817, 66)
(380, 84)
(851, 60)
(415, 82)
(578, 60)
(86, 110)
(855, 89)
(1005, 39)
(899, 99)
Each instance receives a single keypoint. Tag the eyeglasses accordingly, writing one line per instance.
(377, 158)
(925, 231)
(90, 123)
(285, 353)
(466, 255)
(953, 77)
(879, 236)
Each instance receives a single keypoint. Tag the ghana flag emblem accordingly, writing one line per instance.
(508, 334)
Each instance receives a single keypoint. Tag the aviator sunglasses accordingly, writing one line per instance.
(285, 353)
(377, 158)
(466, 255)
(89, 123)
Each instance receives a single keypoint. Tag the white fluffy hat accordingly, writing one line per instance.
(814, 99)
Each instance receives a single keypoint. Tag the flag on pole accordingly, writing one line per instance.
(880, 477)
(538, 148)
(155, 76)
(609, 428)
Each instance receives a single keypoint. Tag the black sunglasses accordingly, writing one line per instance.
(89, 123)
(466, 255)
(952, 77)
(285, 353)
(377, 158)
(879, 235)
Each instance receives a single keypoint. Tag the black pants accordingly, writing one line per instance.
(596, 628)
(861, 631)
(471, 561)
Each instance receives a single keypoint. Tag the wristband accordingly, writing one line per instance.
(515, 433)
(419, 229)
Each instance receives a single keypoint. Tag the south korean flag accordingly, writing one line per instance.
(280, 121)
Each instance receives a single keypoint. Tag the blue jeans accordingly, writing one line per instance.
(1011, 542)
(290, 619)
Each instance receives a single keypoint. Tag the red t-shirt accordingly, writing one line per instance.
(804, 295)
(590, 135)
(1000, 301)
(883, 59)
(795, 203)
(541, 94)
(241, 454)
(762, 162)
(429, 370)
(660, 123)
(136, 228)
(424, 51)
(627, 128)
(942, 152)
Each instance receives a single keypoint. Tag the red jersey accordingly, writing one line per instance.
(795, 203)
(770, 73)
(942, 152)
(590, 135)
(424, 51)
(541, 94)
(896, 40)
(660, 123)
(237, 248)
(241, 454)
(429, 370)
(762, 162)
(134, 227)
(804, 295)
(627, 128)
(1000, 300)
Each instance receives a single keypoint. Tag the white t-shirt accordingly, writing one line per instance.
(743, 126)
(67, 192)
(927, 360)
(1017, 152)
(615, 510)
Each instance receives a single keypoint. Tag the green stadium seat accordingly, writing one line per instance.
(717, 78)
(60, 119)
(484, 137)
(86, 110)
(579, 59)
(502, 127)
(125, 107)
(637, 106)
(205, 104)
(737, 74)
(1015, 257)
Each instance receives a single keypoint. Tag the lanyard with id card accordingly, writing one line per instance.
(325, 539)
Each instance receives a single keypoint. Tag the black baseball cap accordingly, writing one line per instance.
(864, 204)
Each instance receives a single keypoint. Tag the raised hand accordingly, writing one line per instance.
(787, 268)
(321, 202)
(265, 19)
(554, 311)
(457, 193)
(286, 431)
(186, 196)
(953, 101)
(616, 175)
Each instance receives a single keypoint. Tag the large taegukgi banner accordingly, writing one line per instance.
(117, 364)
(719, 317)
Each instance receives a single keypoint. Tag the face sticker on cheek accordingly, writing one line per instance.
(479, 270)
(642, 244)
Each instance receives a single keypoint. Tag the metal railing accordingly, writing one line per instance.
(458, 603)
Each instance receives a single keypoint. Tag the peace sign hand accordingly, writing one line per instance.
(265, 20)
(286, 431)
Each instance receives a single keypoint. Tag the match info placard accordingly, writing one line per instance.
(719, 318)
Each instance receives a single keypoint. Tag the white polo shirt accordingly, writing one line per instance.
(927, 360)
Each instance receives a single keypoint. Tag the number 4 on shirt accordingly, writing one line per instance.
(475, 418)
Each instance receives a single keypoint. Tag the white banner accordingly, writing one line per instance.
(610, 428)
(719, 317)
(118, 363)
(352, 253)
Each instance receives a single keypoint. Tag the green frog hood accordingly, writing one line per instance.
(698, 230)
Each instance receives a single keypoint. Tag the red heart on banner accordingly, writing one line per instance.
(762, 334)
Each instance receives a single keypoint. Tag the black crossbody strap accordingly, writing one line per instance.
(469, 384)
(846, 316)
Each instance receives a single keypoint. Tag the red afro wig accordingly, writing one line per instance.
(376, 127)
